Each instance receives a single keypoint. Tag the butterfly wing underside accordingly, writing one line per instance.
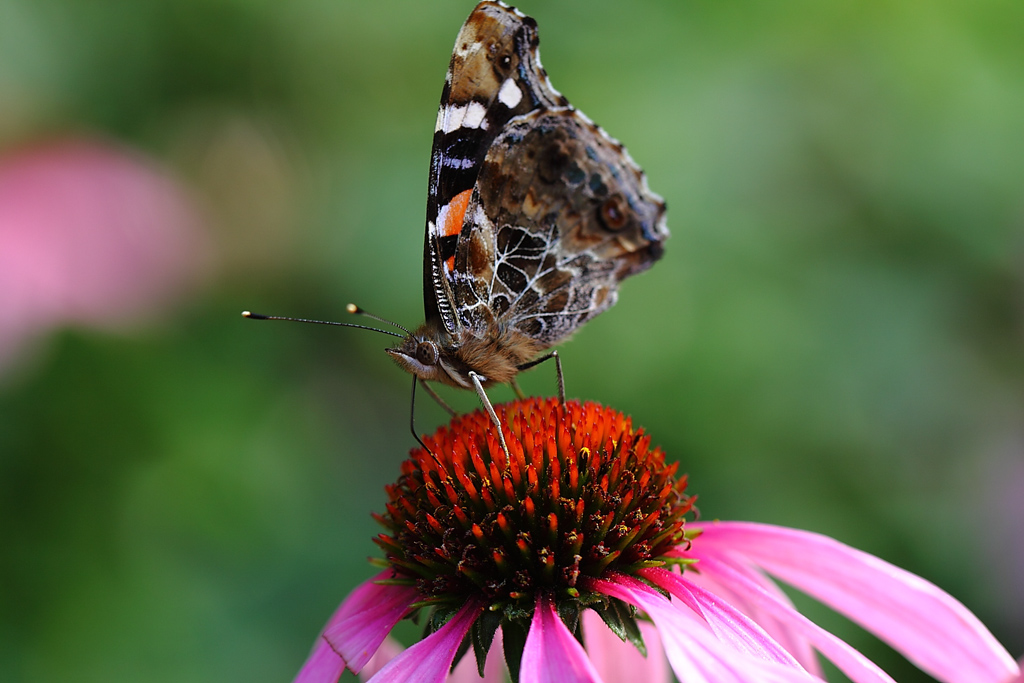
(559, 216)
(494, 76)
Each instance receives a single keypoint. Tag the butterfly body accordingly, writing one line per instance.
(435, 355)
(534, 214)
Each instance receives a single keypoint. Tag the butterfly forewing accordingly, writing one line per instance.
(494, 75)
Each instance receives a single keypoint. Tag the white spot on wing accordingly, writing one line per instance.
(467, 116)
(510, 95)
(453, 117)
(474, 115)
(442, 218)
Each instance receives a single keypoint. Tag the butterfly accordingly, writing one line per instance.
(534, 214)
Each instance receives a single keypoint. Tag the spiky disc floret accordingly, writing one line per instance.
(583, 493)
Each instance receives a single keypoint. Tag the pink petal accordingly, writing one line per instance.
(552, 654)
(387, 651)
(780, 631)
(465, 672)
(365, 618)
(926, 624)
(322, 666)
(620, 662)
(1019, 678)
(725, 620)
(429, 660)
(696, 654)
(855, 665)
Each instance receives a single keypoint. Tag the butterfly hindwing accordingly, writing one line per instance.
(560, 215)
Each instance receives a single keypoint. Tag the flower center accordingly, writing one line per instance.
(582, 493)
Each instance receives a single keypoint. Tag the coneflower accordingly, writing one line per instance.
(583, 531)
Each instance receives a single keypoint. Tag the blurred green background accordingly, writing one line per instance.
(833, 340)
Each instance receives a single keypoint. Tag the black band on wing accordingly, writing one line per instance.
(456, 155)
(448, 244)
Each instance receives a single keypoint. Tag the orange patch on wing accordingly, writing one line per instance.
(456, 212)
(453, 220)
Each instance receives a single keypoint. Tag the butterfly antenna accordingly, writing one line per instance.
(257, 316)
(355, 310)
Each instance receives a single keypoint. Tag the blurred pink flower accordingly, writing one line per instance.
(582, 515)
(90, 234)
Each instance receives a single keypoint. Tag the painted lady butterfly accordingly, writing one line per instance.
(534, 214)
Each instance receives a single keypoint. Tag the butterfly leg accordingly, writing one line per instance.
(558, 369)
(440, 401)
(490, 409)
(412, 417)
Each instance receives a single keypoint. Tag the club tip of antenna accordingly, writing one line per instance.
(254, 316)
(352, 308)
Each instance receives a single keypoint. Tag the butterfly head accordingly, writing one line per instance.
(426, 354)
